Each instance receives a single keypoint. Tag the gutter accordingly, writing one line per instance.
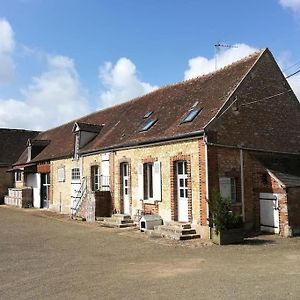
(157, 141)
(251, 149)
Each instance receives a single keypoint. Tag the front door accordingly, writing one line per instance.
(269, 212)
(182, 192)
(75, 186)
(125, 191)
(45, 190)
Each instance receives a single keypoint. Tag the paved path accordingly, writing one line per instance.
(46, 257)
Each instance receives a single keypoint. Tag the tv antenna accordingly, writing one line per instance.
(217, 49)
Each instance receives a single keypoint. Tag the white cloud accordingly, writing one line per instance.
(56, 96)
(7, 44)
(294, 5)
(121, 82)
(201, 65)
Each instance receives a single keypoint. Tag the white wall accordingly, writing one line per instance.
(34, 181)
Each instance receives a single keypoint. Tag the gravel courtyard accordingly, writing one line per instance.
(48, 256)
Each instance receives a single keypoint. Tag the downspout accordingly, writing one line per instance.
(206, 179)
(242, 183)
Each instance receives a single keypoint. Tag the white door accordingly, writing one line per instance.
(125, 177)
(182, 192)
(75, 186)
(269, 212)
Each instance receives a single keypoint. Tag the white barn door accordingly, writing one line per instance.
(269, 212)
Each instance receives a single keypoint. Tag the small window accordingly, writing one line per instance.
(148, 181)
(61, 174)
(228, 188)
(75, 174)
(148, 125)
(148, 114)
(191, 115)
(18, 175)
(95, 174)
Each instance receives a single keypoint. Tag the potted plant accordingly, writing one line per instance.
(226, 226)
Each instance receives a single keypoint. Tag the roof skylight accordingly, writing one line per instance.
(148, 114)
(148, 125)
(191, 115)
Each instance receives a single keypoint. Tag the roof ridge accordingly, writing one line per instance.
(167, 86)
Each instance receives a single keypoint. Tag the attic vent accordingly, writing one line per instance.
(148, 125)
(191, 115)
(148, 114)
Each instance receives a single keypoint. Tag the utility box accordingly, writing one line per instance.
(149, 221)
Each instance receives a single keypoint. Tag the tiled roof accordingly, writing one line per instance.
(12, 144)
(170, 104)
(286, 168)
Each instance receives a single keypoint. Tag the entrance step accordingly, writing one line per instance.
(118, 221)
(176, 231)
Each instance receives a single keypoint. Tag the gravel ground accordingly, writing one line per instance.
(48, 256)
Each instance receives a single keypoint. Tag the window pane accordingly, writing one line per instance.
(150, 180)
(186, 184)
(181, 181)
(186, 193)
(180, 167)
(181, 193)
(184, 167)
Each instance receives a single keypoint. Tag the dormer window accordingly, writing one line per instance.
(35, 147)
(191, 115)
(83, 134)
(148, 125)
(148, 114)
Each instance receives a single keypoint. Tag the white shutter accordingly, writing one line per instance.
(141, 181)
(156, 181)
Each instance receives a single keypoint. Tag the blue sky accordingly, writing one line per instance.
(63, 59)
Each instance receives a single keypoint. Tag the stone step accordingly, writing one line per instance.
(117, 221)
(175, 230)
(178, 225)
(116, 225)
(120, 217)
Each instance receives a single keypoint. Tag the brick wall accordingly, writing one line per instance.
(294, 209)
(226, 162)
(6, 181)
(271, 124)
(166, 154)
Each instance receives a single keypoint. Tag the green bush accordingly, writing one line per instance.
(221, 216)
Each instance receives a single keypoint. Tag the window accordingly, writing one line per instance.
(149, 181)
(61, 174)
(148, 114)
(18, 175)
(75, 174)
(148, 125)
(228, 188)
(95, 178)
(191, 115)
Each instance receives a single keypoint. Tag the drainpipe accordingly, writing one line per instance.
(242, 183)
(206, 179)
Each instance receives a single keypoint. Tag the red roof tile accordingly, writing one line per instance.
(122, 123)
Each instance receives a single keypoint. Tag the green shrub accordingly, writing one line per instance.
(221, 216)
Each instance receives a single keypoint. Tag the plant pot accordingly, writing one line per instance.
(228, 236)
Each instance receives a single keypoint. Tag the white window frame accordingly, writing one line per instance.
(149, 181)
(18, 175)
(227, 187)
(61, 174)
(95, 178)
(75, 174)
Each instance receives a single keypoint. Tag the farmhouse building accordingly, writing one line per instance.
(13, 142)
(235, 130)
